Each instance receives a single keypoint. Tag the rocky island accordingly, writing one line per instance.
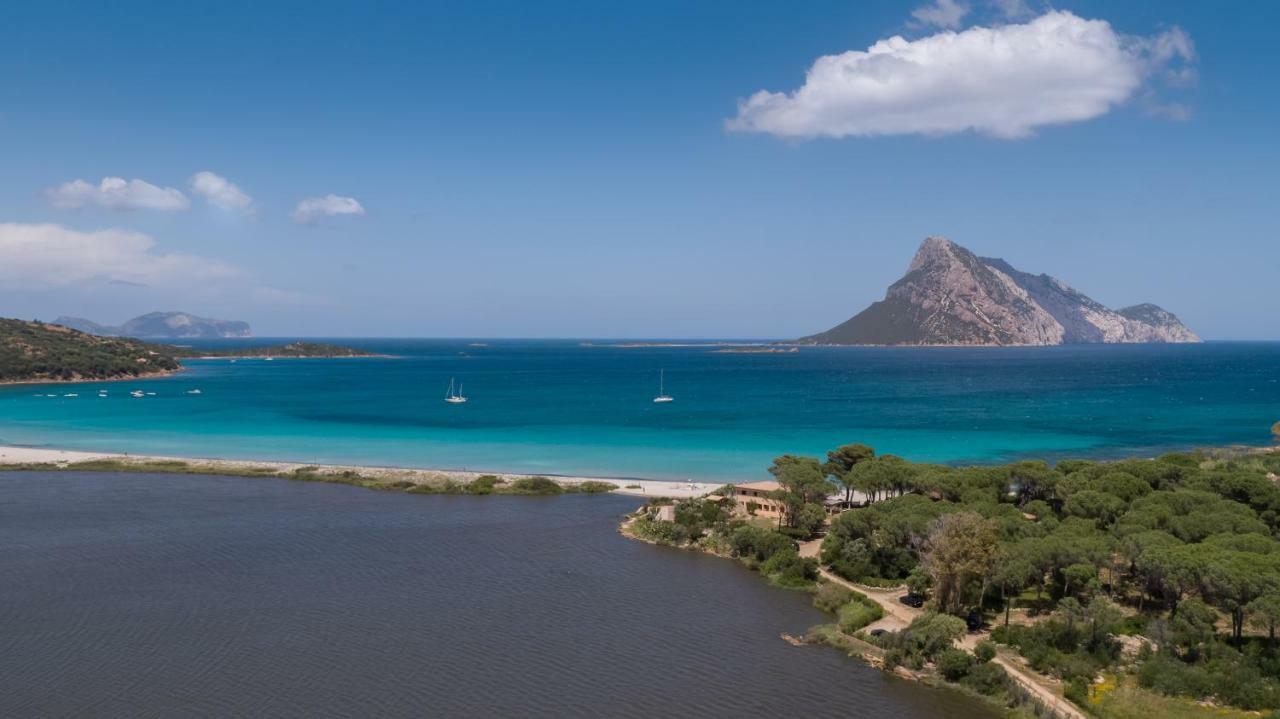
(950, 296)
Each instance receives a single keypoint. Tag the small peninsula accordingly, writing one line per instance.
(294, 350)
(37, 352)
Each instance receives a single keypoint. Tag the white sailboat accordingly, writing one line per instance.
(662, 394)
(454, 397)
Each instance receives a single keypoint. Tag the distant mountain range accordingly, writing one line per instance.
(166, 325)
(950, 296)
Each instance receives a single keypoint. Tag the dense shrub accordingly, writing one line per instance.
(787, 568)
(858, 613)
(758, 544)
(953, 664)
(985, 651)
(536, 485)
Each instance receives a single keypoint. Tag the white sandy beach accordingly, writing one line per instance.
(638, 487)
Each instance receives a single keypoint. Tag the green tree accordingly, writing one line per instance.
(962, 551)
(1192, 629)
(1264, 613)
(1011, 576)
(809, 518)
(803, 482)
(841, 460)
(1104, 619)
(1232, 580)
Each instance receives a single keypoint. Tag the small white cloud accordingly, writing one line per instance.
(48, 255)
(947, 14)
(1013, 9)
(219, 191)
(117, 193)
(314, 208)
(1003, 81)
(277, 296)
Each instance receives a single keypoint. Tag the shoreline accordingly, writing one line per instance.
(86, 380)
(17, 457)
(1044, 690)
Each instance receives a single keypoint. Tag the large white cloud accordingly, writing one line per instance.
(117, 193)
(313, 208)
(1002, 81)
(50, 255)
(219, 191)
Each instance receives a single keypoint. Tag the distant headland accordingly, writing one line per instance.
(162, 325)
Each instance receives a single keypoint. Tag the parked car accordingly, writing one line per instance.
(912, 600)
(877, 632)
(974, 620)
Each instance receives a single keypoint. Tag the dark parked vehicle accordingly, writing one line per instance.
(974, 620)
(912, 600)
(877, 632)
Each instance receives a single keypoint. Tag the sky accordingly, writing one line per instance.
(668, 168)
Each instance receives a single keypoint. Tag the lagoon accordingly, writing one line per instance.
(180, 595)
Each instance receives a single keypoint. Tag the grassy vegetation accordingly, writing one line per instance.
(39, 352)
(1130, 702)
(396, 482)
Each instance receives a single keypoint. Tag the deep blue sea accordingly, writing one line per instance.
(561, 407)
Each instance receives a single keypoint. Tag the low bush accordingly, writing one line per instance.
(536, 485)
(985, 651)
(858, 613)
(953, 664)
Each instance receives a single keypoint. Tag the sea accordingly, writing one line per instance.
(572, 407)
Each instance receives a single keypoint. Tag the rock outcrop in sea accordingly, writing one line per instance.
(950, 296)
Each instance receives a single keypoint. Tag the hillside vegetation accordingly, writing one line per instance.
(42, 352)
(35, 352)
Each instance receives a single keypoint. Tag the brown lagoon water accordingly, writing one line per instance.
(160, 595)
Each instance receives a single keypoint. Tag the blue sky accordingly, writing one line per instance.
(585, 169)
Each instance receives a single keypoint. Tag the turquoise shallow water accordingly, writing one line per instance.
(559, 407)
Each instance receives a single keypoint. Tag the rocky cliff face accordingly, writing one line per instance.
(950, 296)
(167, 325)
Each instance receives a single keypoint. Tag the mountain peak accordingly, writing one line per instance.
(935, 248)
(950, 296)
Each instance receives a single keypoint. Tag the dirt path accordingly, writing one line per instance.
(899, 615)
